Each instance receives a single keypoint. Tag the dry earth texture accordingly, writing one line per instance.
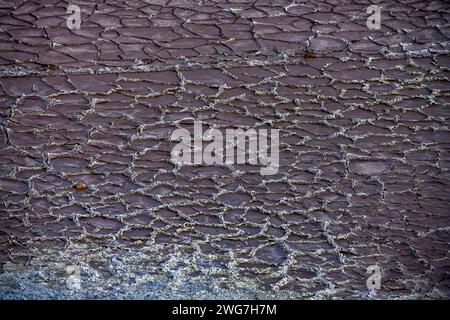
(364, 154)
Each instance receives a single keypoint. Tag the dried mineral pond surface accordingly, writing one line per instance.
(86, 177)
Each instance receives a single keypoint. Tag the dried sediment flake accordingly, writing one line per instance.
(87, 182)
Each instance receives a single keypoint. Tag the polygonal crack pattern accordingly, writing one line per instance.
(364, 155)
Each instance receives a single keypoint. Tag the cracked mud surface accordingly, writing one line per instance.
(364, 154)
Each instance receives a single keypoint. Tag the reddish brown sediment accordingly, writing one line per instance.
(364, 156)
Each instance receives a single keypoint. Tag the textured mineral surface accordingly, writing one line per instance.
(89, 192)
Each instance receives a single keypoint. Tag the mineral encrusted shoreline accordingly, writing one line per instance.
(364, 149)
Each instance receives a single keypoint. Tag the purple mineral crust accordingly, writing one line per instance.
(364, 155)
